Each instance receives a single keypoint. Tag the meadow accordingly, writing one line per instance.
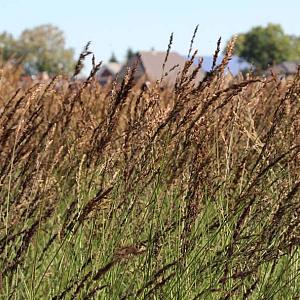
(127, 192)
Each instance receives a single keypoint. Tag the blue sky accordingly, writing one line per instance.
(116, 25)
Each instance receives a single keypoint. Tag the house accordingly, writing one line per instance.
(108, 72)
(149, 67)
(286, 68)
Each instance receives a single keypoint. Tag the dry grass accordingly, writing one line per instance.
(126, 193)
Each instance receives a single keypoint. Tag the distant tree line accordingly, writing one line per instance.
(129, 54)
(43, 49)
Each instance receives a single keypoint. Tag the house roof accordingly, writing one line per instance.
(152, 62)
(287, 67)
(112, 67)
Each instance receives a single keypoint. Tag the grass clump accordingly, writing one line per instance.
(120, 192)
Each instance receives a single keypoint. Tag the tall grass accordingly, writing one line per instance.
(117, 192)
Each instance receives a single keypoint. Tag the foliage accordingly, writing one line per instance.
(113, 58)
(129, 54)
(42, 49)
(7, 46)
(265, 46)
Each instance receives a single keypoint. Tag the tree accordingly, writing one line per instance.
(7, 46)
(295, 40)
(113, 58)
(43, 49)
(265, 46)
(129, 54)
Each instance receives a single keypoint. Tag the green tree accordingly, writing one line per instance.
(295, 41)
(265, 46)
(43, 50)
(8, 46)
(129, 54)
(113, 58)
